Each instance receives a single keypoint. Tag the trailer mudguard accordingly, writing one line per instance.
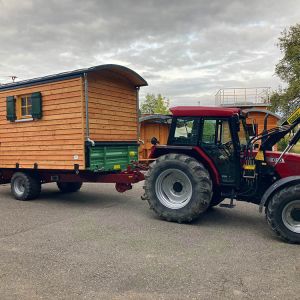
(275, 187)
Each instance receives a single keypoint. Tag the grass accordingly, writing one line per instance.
(296, 148)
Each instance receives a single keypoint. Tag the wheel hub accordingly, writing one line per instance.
(177, 187)
(173, 188)
(19, 186)
(295, 214)
(291, 216)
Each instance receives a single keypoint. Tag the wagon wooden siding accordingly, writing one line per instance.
(51, 142)
(258, 118)
(147, 132)
(112, 108)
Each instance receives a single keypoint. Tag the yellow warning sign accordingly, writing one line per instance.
(260, 156)
(295, 115)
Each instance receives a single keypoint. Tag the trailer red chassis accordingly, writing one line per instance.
(123, 180)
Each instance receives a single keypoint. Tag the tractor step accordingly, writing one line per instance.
(227, 205)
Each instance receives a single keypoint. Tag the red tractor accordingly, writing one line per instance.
(209, 157)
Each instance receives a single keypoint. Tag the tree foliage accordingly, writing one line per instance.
(155, 105)
(288, 70)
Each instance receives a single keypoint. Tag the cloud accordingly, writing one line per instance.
(186, 50)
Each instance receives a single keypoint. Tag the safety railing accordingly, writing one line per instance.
(258, 96)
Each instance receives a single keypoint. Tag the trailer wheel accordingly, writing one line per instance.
(178, 188)
(283, 213)
(25, 187)
(69, 187)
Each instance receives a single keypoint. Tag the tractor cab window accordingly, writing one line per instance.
(243, 135)
(216, 132)
(185, 131)
(224, 135)
(216, 141)
(209, 131)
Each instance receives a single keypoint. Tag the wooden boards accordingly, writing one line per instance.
(53, 142)
(150, 130)
(258, 118)
(112, 108)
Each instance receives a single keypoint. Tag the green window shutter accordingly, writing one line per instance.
(11, 108)
(36, 100)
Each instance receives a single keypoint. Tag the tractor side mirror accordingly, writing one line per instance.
(154, 141)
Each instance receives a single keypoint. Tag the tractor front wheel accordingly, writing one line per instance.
(178, 187)
(283, 213)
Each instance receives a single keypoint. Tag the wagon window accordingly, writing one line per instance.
(24, 107)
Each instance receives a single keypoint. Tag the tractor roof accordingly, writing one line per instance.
(204, 111)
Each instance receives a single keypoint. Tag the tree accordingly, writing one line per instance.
(155, 105)
(288, 70)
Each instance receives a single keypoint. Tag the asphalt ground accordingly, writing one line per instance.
(99, 244)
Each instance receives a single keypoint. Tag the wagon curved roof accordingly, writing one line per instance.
(265, 111)
(131, 75)
(155, 117)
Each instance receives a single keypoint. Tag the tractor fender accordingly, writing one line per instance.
(193, 151)
(278, 185)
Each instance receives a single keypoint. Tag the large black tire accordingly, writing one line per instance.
(192, 179)
(283, 214)
(69, 187)
(25, 187)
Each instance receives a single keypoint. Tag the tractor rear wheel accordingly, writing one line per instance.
(178, 187)
(283, 213)
(69, 187)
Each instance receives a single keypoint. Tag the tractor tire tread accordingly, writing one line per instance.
(273, 205)
(203, 188)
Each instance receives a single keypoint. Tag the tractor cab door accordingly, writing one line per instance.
(217, 140)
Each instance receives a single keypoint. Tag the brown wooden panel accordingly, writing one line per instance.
(52, 141)
(112, 108)
(102, 89)
(44, 87)
(147, 132)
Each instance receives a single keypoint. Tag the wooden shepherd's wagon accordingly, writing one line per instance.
(70, 128)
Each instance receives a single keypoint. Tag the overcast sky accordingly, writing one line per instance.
(186, 50)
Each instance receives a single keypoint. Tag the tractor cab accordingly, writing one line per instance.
(219, 133)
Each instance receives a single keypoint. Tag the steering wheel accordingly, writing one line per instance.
(226, 147)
